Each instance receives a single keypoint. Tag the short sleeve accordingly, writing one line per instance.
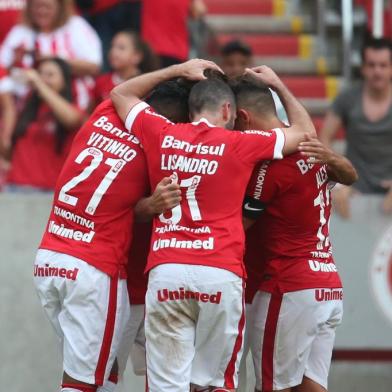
(253, 146)
(342, 104)
(19, 35)
(262, 188)
(86, 44)
(143, 122)
(263, 184)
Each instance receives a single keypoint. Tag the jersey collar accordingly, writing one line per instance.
(204, 120)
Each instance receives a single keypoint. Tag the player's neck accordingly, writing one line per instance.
(212, 118)
(265, 123)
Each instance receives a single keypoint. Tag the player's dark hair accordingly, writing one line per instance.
(254, 95)
(236, 46)
(377, 44)
(211, 93)
(30, 110)
(170, 99)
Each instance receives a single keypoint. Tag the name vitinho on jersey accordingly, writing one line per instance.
(202, 149)
(183, 244)
(107, 126)
(112, 146)
(73, 217)
(172, 228)
(188, 165)
(72, 234)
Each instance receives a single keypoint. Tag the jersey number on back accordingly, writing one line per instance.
(191, 184)
(116, 165)
(322, 201)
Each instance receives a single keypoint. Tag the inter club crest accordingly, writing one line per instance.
(381, 273)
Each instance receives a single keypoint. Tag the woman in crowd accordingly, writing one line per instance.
(45, 128)
(128, 56)
(50, 29)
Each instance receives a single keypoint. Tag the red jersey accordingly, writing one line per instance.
(294, 235)
(138, 254)
(212, 166)
(36, 160)
(165, 27)
(103, 85)
(102, 179)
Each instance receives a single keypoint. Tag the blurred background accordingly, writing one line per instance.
(59, 59)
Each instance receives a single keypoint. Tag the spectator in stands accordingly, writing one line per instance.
(10, 13)
(128, 56)
(49, 28)
(236, 56)
(365, 112)
(165, 27)
(108, 17)
(45, 128)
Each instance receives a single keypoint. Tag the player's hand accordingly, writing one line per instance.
(387, 202)
(194, 69)
(341, 200)
(166, 196)
(266, 75)
(315, 151)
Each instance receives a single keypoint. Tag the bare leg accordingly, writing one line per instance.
(281, 390)
(309, 385)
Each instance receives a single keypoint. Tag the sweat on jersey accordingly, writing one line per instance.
(295, 251)
(212, 166)
(102, 179)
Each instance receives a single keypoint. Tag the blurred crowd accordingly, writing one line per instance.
(59, 59)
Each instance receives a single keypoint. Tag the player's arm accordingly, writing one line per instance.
(252, 209)
(339, 168)
(256, 197)
(128, 94)
(166, 196)
(332, 123)
(65, 112)
(299, 119)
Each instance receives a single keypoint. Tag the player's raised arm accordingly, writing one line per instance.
(128, 94)
(340, 169)
(300, 121)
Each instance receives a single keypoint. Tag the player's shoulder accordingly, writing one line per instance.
(105, 113)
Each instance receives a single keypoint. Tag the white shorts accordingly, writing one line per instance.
(293, 336)
(88, 310)
(243, 371)
(194, 327)
(133, 343)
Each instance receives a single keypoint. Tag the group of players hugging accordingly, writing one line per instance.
(145, 191)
